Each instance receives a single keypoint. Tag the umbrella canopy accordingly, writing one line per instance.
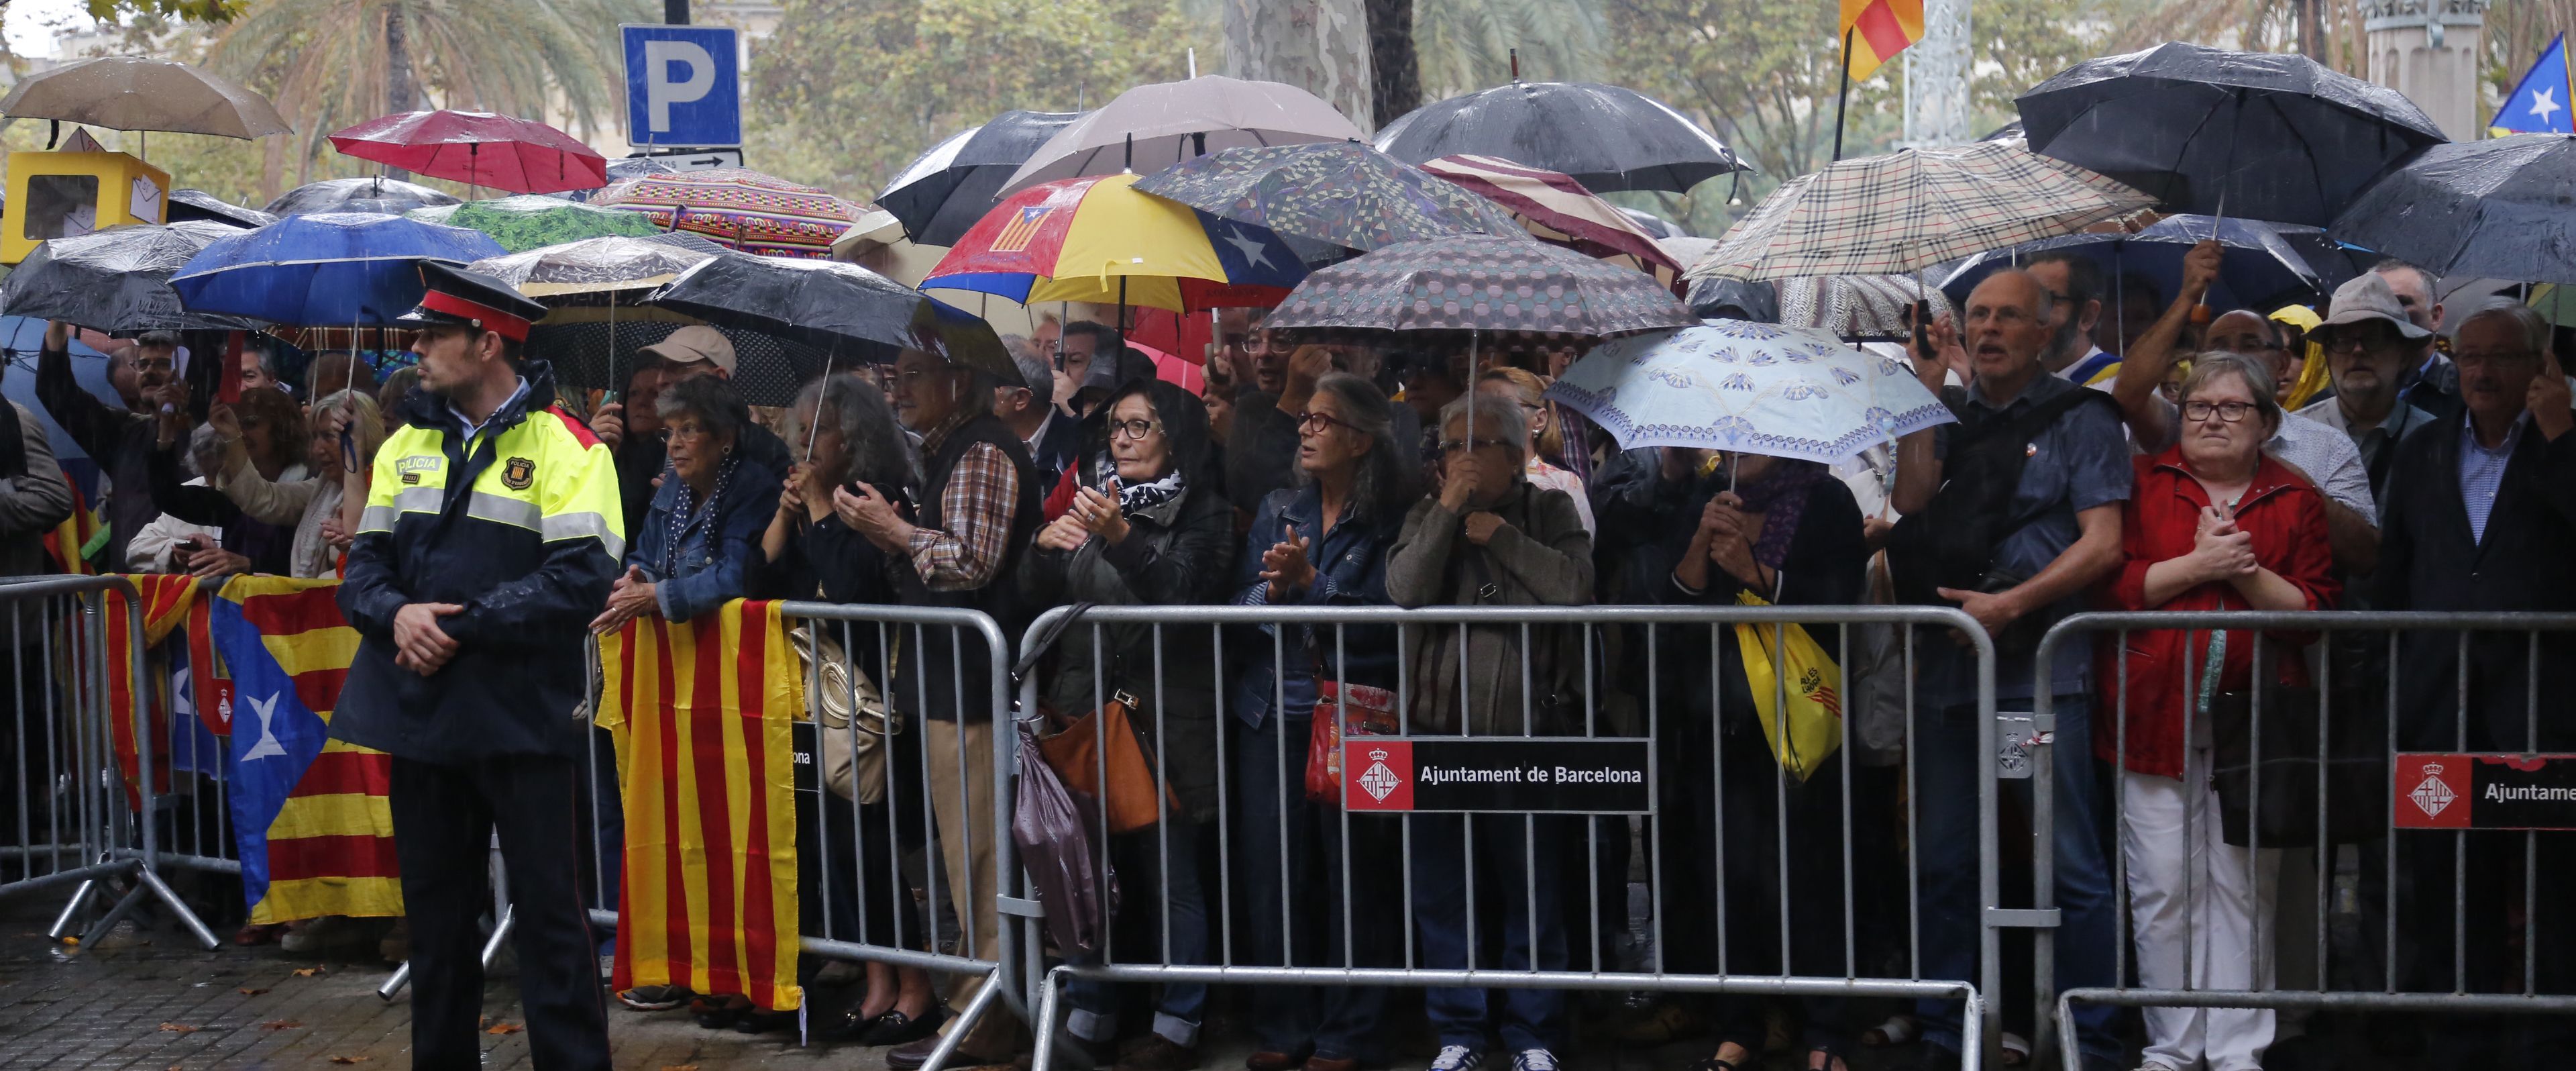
(599, 265)
(1340, 192)
(138, 93)
(1096, 239)
(1606, 137)
(1756, 388)
(479, 149)
(848, 310)
(595, 347)
(740, 209)
(1556, 209)
(2262, 135)
(2334, 262)
(1153, 126)
(21, 337)
(1912, 209)
(951, 186)
(2256, 269)
(1480, 283)
(186, 204)
(376, 194)
(2496, 209)
(530, 222)
(1855, 308)
(326, 269)
(116, 280)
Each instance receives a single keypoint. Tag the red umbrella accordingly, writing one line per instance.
(478, 148)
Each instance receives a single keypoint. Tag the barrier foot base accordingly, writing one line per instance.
(188, 919)
(401, 977)
(80, 898)
(1049, 992)
(965, 1024)
(500, 934)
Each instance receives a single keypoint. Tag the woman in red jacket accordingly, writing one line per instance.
(2214, 525)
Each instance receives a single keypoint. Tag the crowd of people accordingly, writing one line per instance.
(2143, 462)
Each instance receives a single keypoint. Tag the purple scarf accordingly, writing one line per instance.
(1780, 496)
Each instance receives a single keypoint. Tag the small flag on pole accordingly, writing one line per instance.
(2539, 104)
(1877, 30)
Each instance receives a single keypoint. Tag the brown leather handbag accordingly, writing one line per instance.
(1074, 750)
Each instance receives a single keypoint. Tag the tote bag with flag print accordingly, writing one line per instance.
(1814, 709)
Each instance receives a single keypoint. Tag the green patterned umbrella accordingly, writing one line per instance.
(531, 221)
(1481, 283)
(1340, 192)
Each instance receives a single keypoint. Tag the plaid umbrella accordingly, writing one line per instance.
(1556, 209)
(741, 209)
(1340, 192)
(1909, 210)
(1481, 283)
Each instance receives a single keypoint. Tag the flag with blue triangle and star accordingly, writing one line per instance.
(2538, 105)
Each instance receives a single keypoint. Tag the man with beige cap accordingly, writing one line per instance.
(2370, 344)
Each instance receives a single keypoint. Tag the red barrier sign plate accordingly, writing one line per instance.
(2499, 791)
(1551, 775)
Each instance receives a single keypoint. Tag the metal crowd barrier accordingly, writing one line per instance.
(1600, 730)
(70, 820)
(2412, 807)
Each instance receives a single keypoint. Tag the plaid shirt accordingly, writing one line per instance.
(976, 504)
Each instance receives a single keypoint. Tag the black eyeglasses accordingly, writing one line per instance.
(1316, 423)
(2227, 412)
(1133, 429)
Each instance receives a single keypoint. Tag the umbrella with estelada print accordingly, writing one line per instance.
(1096, 239)
(738, 208)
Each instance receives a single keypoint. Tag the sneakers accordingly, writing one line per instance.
(1462, 1058)
(654, 997)
(1534, 1060)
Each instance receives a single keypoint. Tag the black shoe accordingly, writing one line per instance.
(761, 1021)
(719, 1013)
(896, 1028)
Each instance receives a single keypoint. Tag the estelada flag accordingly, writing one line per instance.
(167, 602)
(702, 711)
(1877, 31)
(311, 815)
(2539, 103)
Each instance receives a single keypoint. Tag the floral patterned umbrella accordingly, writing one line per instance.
(530, 221)
(1340, 192)
(1481, 283)
(741, 209)
(1757, 388)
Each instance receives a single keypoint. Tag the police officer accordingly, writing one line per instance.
(490, 537)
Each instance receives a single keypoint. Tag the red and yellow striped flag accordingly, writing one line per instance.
(702, 713)
(1878, 30)
(167, 601)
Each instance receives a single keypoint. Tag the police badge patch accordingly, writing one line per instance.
(518, 473)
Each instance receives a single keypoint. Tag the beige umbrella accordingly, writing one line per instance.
(138, 93)
(1155, 126)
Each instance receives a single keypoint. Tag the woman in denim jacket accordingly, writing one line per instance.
(700, 539)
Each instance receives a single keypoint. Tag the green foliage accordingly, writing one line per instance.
(1466, 45)
(189, 10)
(849, 91)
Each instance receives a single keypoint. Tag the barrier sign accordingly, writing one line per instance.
(2506, 791)
(1578, 775)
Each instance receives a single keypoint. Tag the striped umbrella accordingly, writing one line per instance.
(740, 209)
(1558, 210)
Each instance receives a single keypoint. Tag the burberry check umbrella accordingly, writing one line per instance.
(1481, 283)
(1909, 210)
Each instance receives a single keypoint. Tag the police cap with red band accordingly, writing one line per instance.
(472, 299)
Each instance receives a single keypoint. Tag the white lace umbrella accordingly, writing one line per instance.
(1750, 387)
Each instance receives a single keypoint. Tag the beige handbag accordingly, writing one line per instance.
(854, 764)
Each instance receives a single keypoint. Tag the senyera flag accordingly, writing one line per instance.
(1874, 31)
(167, 603)
(311, 815)
(703, 712)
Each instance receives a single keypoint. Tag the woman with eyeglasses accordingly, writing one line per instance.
(1524, 391)
(1149, 528)
(1322, 542)
(2215, 524)
(263, 433)
(701, 536)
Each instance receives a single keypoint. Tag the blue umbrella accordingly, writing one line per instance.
(324, 269)
(20, 338)
(2257, 269)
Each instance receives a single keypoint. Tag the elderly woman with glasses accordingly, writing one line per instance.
(701, 537)
(2216, 524)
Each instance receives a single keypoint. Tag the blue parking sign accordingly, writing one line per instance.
(683, 86)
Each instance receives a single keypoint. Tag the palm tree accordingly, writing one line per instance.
(331, 63)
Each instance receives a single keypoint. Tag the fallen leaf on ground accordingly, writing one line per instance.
(281, 1024)
(179, 1028)
(249, 992)
(505, 1028)
(679, 1067)
(308, 972)
(350, 1059)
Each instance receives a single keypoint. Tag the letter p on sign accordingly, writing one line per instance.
(683, 86)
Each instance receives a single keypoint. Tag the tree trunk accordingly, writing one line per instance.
(402, 93)
(1396, 68)
(1320, 46)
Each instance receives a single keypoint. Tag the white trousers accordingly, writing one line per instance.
(2193, 911)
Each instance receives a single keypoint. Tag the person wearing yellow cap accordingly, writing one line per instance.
(490, 537)
(2297, 321)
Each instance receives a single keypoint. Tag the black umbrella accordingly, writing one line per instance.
(853, 314)
(2496, 209)
(2334, 262)
(2257, 268)
(951, 186)
(198, 204)
(2207, 131)
(116, 280)
(1607, 137)
(392, 197)
(594, 346)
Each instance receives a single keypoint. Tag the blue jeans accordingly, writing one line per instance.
(1144, 885)
(1504, 868)
(1339, 1021)
(1946, 768)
